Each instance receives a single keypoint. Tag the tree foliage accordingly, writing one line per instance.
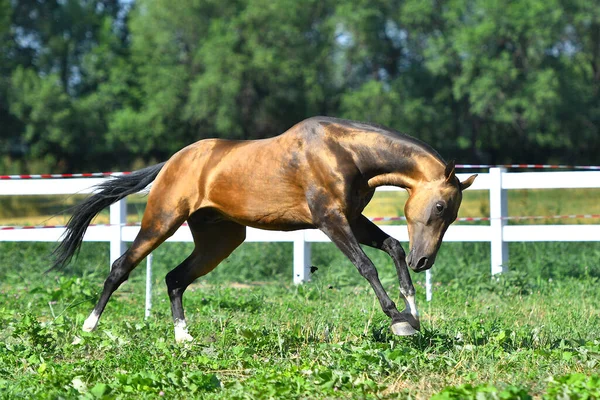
(106, 84)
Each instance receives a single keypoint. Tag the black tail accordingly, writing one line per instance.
(111, 191)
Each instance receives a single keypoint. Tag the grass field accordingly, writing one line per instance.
(535, 332)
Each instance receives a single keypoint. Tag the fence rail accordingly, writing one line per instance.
(497, 181)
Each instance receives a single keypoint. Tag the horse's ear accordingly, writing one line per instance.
(449, 172)
(467, 182)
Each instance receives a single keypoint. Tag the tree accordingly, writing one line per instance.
(236, 69)
(43, 55)
(105, 84)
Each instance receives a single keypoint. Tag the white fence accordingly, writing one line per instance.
(498, 233)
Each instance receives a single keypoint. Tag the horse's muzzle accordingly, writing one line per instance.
(422, 264)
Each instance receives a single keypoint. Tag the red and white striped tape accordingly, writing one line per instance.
(374, 219)
(12, 227)
(529, 166)
(462, 166)
(57, 176)
(514, 218)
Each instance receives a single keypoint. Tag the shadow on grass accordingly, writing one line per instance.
(250, 305)
(426, 339)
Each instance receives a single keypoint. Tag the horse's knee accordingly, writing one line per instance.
(368, 271)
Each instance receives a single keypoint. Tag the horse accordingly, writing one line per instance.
(321, 173)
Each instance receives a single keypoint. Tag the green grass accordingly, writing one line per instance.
(533, 332)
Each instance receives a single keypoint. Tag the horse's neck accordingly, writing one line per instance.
(400, 163)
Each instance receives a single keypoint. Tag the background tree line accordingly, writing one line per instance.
(109, 84)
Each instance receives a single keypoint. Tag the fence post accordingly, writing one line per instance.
(148, 285)
(498, 212)
(428, 288)
(118, 218)
(301, 259)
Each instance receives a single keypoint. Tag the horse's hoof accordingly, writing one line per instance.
(413, 321)
(403, 329)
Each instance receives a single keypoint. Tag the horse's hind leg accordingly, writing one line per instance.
(156, 228)
(213, 243)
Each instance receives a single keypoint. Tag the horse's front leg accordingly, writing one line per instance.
(336, 227)
(371, 235)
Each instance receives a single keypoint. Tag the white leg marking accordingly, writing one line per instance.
(91, 322)
(181, 332)
(411, 306)
(411, 313)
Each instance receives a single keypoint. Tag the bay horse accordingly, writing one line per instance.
(321, 173)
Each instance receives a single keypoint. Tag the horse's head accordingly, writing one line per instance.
(430, 209)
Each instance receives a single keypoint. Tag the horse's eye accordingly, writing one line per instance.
(440, 207)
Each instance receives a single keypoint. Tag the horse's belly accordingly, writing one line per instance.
(264, 211)
(278, 225)
(280, 218)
